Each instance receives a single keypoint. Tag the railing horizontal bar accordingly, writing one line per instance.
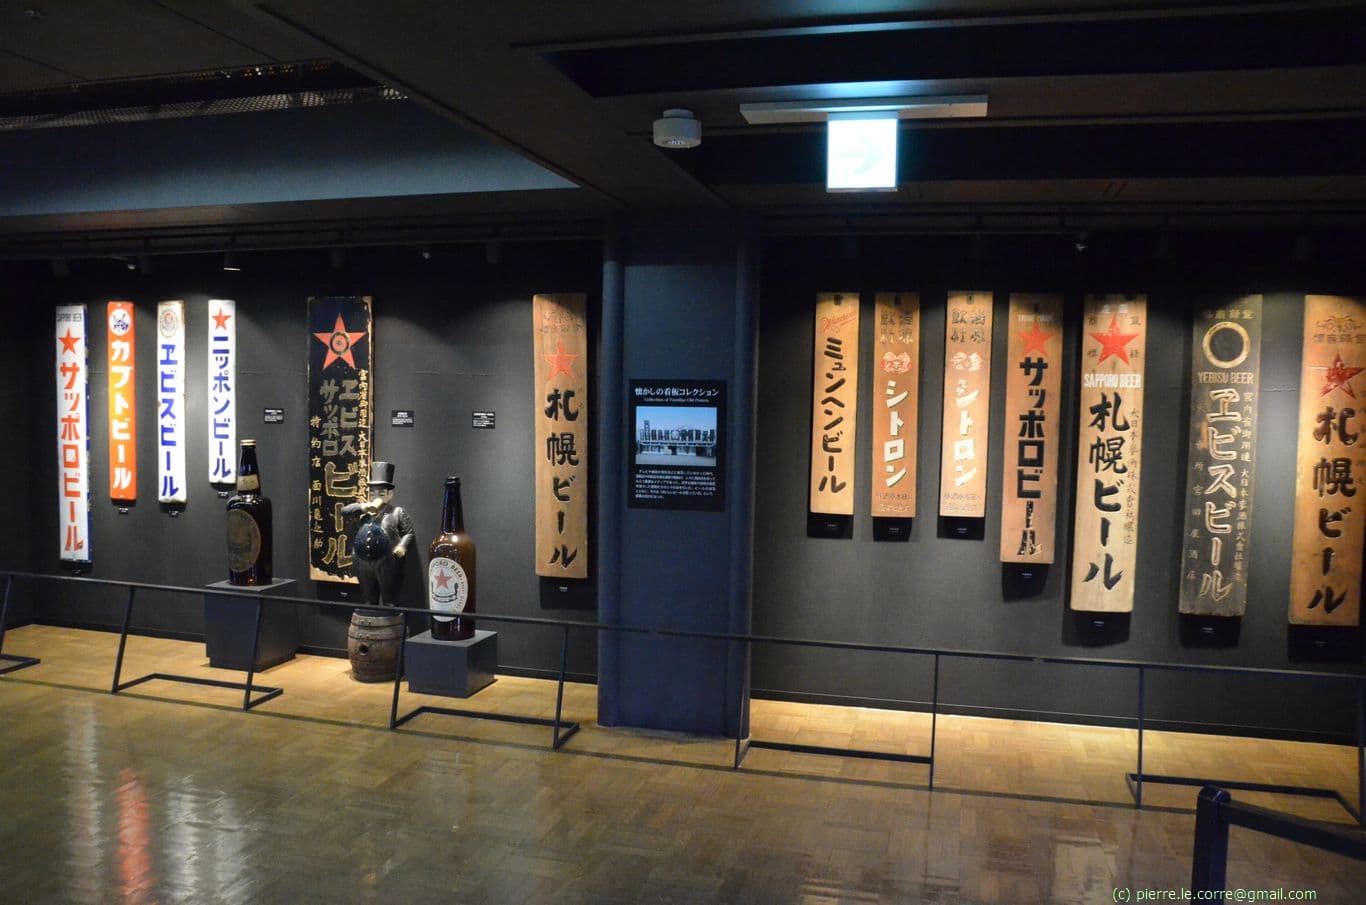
(1295, 829)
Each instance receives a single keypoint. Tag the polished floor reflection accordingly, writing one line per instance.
(168, 793)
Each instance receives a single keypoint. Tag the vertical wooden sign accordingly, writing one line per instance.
(896, 403)
(123, 403)
(222, 391)
(73, 434)
(1109, 448)
(559, 329)
(1325, 571)
(341, 390)
(967, 405)
(834, 403)
(1029, 476)
(1226, 355)
(171, 476)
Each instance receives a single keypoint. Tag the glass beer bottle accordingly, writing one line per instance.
(250, 542)
(450, 572)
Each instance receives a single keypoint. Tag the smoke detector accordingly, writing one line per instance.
(677, 128)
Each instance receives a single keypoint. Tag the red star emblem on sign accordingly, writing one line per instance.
(339, 343)
(1036, 339)
(1112, 342)
(443, 579)
(69, 342)
(561, 362)
(220, 320)
(1338, 377)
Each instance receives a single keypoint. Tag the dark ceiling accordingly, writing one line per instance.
(1170, 111)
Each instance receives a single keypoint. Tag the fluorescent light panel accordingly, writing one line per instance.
(861, 152)
(904, 107)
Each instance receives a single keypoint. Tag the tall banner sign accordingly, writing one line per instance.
(340, 409)
(1029, 477)
(73, 446)
(222, 390)
(560, 334)
(1325, 571)
(171, 476)
(896, 403)
(967, 405)
(834, 403)
(123, 408)
(1226, 356)
(1110, 429)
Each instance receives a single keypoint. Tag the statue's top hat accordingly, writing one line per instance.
(381, 474)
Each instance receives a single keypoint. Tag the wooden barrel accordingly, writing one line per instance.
(372, 644)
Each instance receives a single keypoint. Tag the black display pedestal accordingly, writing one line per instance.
(230, 626)
(454, 669)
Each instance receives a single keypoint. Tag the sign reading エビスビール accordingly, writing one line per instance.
(73, 450)
(171, 402)
(560, 335)
(1029, 475)
(340, 387)
(1226, 346)
(834, 403)
(123, 403)
(1325, 571)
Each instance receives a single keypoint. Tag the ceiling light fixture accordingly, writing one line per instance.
(230, 262)
(819, 110)
(677, 128)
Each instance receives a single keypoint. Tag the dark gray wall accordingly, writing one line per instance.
(452, 335)
(950, 593)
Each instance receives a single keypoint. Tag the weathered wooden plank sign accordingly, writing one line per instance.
(1029, 476)
(896, 403)
(967, 405)
(1226, 346)
(1325, 571)
(834, 403)
(559, 329)
(1109, 453)
(340, 414)
(123, 403)
(73, 433)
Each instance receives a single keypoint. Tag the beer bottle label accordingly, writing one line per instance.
(448, 589)
(244, 540)
(248, 483)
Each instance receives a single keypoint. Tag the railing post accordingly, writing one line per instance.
(1138, 776)
(398, 672)
(1209, 861)
(740, 713)
(934, 717)
(4, 610)
(123, 640)
(255, 653)
(1361, 752)
(559, 693)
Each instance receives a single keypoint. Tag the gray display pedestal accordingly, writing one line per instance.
(454, 669)
(230, 626)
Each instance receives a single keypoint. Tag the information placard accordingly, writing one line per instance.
(677, 452)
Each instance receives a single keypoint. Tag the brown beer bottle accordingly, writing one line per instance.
(450, 572)
(250, 543)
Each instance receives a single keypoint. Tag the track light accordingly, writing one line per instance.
(1082, 241)
(425, 251)
(130, 263)
(677, 129)
(230, 262)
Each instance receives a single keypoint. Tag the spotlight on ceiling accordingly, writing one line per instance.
(230, 262)
(145, 263)
(1082, 241)
(493, 252)
(425, 251)
(130, 263)
(677, 128)
(337, 255)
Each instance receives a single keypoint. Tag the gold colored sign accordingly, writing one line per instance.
(834, 403)
(1325, 571)
(1029, 476)
(559, 328)
(967, 405)
(896, 403)
(1110, 430)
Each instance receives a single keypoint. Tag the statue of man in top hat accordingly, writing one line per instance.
(382, 539)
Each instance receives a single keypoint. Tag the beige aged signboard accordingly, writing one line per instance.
(1325, 572)
(1226, 346)
(560, 334)
(834, 403)
(967, 404)
(1029, 476)
(1105, 535)
(896, 403)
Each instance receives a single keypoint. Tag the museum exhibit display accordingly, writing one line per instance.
(123, 402)
(172, 477)
(251, 525)
(340, 399)
(1110, 435)
(895, 391)
(451, 571)
(678, 457)
(222, 389)
(1031, 444)
(73, 444)
(1325, 575)
(834, 403)
(1226, 356)
(383, 533)
(559, 329)
(967, 405)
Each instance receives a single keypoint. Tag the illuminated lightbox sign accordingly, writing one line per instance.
(861, 152)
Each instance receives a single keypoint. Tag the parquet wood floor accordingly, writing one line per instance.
(168, 793)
